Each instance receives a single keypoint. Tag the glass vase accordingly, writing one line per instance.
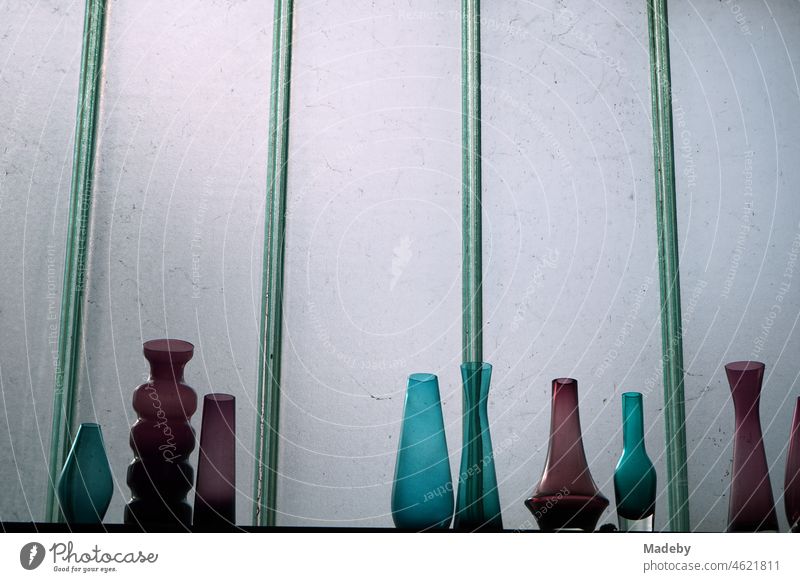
(215, 490)
(160, 476)
(566, 497)
(751, 507)
(635, 476)
(477, 500)
(85, 486)
(791, 484)
(422, 493)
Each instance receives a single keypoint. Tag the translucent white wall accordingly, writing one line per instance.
(736, 97)
(177, 229)
(374, 235)
(39, 59)
(373, 281)
(569, 234)
(178, 214)
(572, 280)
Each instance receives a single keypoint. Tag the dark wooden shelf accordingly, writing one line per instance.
(40, 527)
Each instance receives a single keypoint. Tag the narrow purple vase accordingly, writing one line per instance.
(791, 484)
(566, 497)
(160, 476)
(215, 491)
(751, 507)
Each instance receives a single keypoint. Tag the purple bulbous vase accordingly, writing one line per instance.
(160, 476)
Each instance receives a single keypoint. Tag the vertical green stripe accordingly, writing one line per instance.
(75, 261)
(269, 371)
(667, 227)
(471, 265)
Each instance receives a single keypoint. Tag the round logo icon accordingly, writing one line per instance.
(31, 555)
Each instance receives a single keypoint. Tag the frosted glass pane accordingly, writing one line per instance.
(569, 229)
(373, 245)
(736, 139)
(39, 59)
(178, 214)
(572, 287)
(373, 249)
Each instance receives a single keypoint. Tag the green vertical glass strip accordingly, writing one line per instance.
(471, 262)
(667, 227)
(269, 370)
(75, 261)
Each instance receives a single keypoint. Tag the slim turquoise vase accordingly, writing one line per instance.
(478, 502)
(635, 476)
(85, 486)
(422, 494)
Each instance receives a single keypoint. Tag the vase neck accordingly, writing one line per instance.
(422, 395)
(745, 380)
(476, 378)
(565, 423)
(167, 358)
(166, 371)
(632, 422)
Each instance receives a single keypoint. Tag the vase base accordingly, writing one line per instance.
(746, 523)
(567, 512)
(143, 513)
(417, 522)
(763, 527)
(636, 525)
(494, 524)
(221, 516)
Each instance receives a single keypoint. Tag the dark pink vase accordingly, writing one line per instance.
(215, 490)
(751, 507)
(791, 484)
(160, 476)
(566, 496)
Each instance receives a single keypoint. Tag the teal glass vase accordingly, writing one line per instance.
(635, 476)
(85, 486)
(477, 500)
(422, 493)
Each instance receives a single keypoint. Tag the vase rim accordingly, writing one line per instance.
(565, 381)
(167, 345)
(89, 425)
(422, 377)
(744, 366)
(219, 397)
(482, 365)
(631, 394)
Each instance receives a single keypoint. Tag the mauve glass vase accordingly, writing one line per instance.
(635, 476)
(215, 490)
(422, 493)
(85, 486)
(566, 497)
(160, 476)
(477, 500)
(791, 484)
(751, 507)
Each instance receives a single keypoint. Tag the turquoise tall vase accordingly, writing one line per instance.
(422, 494)
(635, 476)
(478, 502)
(85, 486)
(566, 497)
